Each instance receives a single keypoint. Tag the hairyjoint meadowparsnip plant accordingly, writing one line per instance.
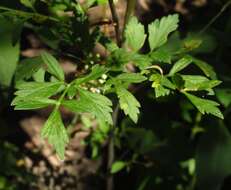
(41, 82)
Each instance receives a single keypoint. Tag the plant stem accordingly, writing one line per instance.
(225, 6)
(115, 20)
(111, 148)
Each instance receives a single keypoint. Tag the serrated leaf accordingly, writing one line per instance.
(56, 133)
(134, 34)
(96, 72)
(34, 103)
(31, 90)
(180, 65)
(131, 77)
(160, 29)
(197, 82)
(96, 104)
(161, 56)
(204, 105)
(205, 67)
(27, 68)
(117, 166)
(53, 66)
(128, 103)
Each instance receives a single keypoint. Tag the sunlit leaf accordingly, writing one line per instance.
(134, 34)
(160, 29)
(56, 133)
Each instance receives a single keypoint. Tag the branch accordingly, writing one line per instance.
(111, 149)
(225, 6)
(115, 19)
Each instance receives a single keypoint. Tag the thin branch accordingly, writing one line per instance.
(115, 19)
(111, 149)
(225, 6)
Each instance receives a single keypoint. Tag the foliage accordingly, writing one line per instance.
(170, 70)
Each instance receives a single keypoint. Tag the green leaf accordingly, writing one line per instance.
(205, 106)
(9, 54)
(31, 90)
(160, 29)
(195, 83)
(134, 34)
(56, 133)
(96, 72)
(159, 84)
(39, 76)
(161, 56)
(27, 68)
(141, 61)
(16, 35)
(131, 78)
(34, 103)
(117, 166)
(53, 65)
(180, 65)
(213, 157)
(27, 3)
(128, 103)
(96, 104)
(205, 67)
